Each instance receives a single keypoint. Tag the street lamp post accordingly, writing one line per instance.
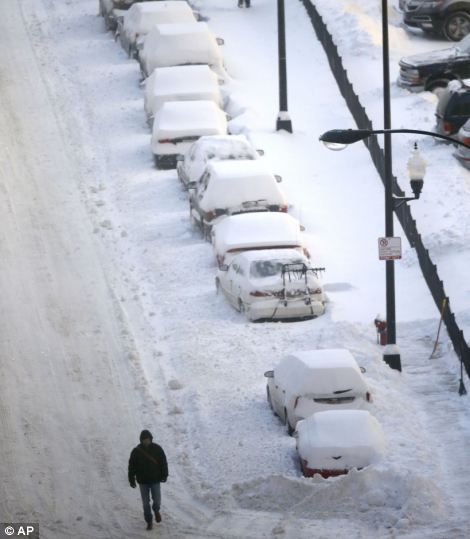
(338, 139)
(283, 120)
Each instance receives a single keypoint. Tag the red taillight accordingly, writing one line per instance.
(466, 140)
(296, 402)
(316, 291)
(283, 208)
(164, 141)
(209, 215)
(259, 294)
(448, 127)
(368, 397)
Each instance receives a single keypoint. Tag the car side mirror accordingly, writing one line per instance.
(260, 152)
(269, 374)
(278, 178)
(220, 41)
(223, 267)
(363, 370)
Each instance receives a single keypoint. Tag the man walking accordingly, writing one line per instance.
(148, 465)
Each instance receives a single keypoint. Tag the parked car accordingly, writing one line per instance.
(434, 69)
(272, 284)
(453, 108)
(334, 442)
(180, 83)
(193, 163)
(314, 381)
(447, 18)
(232, 187)
(462, 153)
(178, 124)
(112, 10)
(140, 18)
(180, 44)
(256, 231)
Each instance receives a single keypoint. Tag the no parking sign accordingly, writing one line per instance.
(389, 248)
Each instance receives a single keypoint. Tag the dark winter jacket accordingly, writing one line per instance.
(148, 464)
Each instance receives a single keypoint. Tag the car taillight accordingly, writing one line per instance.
(368, 397)
(296, 402)
(447, 127)
(209, 215)
(466, 140)
(259, 294)
(164, 141)
(316, 291)
(283, 208)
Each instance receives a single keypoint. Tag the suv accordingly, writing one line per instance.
(449, 18)
(434, 69)
(453, 108)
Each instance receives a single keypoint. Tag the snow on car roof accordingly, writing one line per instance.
(142, 16)
(223, 146)
(182, 43)
(178, 83)
(320, 372)
(340, 439)
(273, 254)
(256, 230)
(188, 118)
(233, 182)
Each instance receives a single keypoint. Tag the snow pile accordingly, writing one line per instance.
(177, 44)
(180, 83)
(340, 440)
(233, 183)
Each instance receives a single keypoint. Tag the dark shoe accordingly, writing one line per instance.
(149, 526)
(158, 517)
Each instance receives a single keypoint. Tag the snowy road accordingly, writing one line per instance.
(110, 322)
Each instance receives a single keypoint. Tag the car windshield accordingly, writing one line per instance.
(269, 268)
(463, 46)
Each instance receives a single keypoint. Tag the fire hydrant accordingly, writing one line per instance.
(381, 326)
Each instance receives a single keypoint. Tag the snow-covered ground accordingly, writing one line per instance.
(110, 319)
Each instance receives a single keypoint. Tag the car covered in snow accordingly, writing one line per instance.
(334, 442)
(232, 187)
(113, 10)
(192, 165)
(434, 69)
(180, 44)
(272, 284)
(256, 231)
(140, 18)
(453, 108)
(180, 83)
(462, 153)
(314, 381)
(177, 124)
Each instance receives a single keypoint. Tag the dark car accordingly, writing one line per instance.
(434, 69)
(448, 18)
(453, 108)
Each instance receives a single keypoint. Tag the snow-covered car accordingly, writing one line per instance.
(140, 18)
(113, 10)
(314, 381)
(192, 164)
(177, 124)
(272, 284)
(249, 231)
(180, 44)
(334, 442)
(232, 187)
(180, 83)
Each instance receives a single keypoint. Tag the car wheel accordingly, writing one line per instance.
(456, 25)
(241, 307)
(206, 231)
(217, 285)
(436, 83)
(290, 430)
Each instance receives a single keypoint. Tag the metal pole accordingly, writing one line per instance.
(283, 119)
(391, 353)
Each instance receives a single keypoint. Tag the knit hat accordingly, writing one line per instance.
(145, 434)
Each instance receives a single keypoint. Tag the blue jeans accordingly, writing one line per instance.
(145, 491)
